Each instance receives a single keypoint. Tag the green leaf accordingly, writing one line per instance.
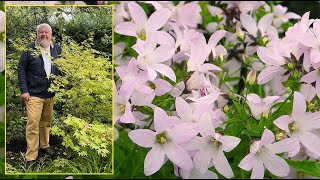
(233, 129)
(292, 83)
(255, 130)
(310, 167)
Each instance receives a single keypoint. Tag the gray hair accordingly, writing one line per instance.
(44, 25)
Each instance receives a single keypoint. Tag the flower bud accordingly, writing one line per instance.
(291, 65)
(264, 41)
(251, 77)
(280, 136)
(245, 58)
(240, 33)
(226, 109)
(221, 58)
(311, 106)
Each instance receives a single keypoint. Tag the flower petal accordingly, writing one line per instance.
(128, 116)
(247, 162)
(311, 142)
(270, 73)
(267, 137)
(216, 37)
(205, 125)
(308, 91)
(201, 160)
(184, 132)
(178, 155)
(257, 170)
(162, 87)
(221, 164)
(249, 24)
(265, 22)
(316, 28)
(283, 122)
(195, 144)
(158, 19)
(275, 164)
(183, 108)
(229, 142)
(299, 105)
(126, 28)
(269, 57)
(137, 13)
(310, 77)
(142, 137)
(154, 160)
(166, 71)
(161, 121)
(285, 145)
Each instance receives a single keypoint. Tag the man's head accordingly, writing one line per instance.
(44, 34)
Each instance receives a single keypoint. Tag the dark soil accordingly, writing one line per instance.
(15, 149)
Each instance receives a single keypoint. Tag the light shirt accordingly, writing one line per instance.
(46, 56)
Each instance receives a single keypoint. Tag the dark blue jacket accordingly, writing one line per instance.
(31, 73)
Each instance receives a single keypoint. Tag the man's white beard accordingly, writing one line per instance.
(44, 42)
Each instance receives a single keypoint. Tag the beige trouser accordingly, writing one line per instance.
(39, 113)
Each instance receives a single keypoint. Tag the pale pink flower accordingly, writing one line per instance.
(264, 26)
(262, 156)
(188, 113)
(164, 142)
(132, 75)
(122, 106)
(199, 54)
(282, 16)
(187, 14)
(162, 87)
(151, 58)
(211, 147)
(301, 125)
(260, 107)
(142, 25)
(274, 56)
(313, 76)
(120, 13)
(244, 6)
(213, 43)
(308, 91)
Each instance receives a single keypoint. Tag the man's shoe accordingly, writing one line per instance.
(48, 151)
(29, 165)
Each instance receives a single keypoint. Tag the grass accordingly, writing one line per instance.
(92, 163)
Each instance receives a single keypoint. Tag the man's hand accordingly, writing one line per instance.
(25, 97)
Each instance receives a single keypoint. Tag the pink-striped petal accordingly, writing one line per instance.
(311, 142)
(216, 37)
(154, 160)
(269, 73)
(166, 71)
(162, 87)
(269, 57)
(126, 28)
(178, 155)
(229, 142)
(310, 77)
(249, 24)
(161, 121)
(267, 137)
(265, 22)
(221, 164)
(137, 13)
(247, 162)
(158, 19)
(183, 108)
(257, 170)
(275, 164)
(286, 145)
(205, 125)
(143, 137)
(184, 132)
(299, 105)
(283, 122)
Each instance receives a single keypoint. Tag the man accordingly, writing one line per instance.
(34, 71)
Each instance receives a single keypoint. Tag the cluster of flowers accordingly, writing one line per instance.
(190, 132)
